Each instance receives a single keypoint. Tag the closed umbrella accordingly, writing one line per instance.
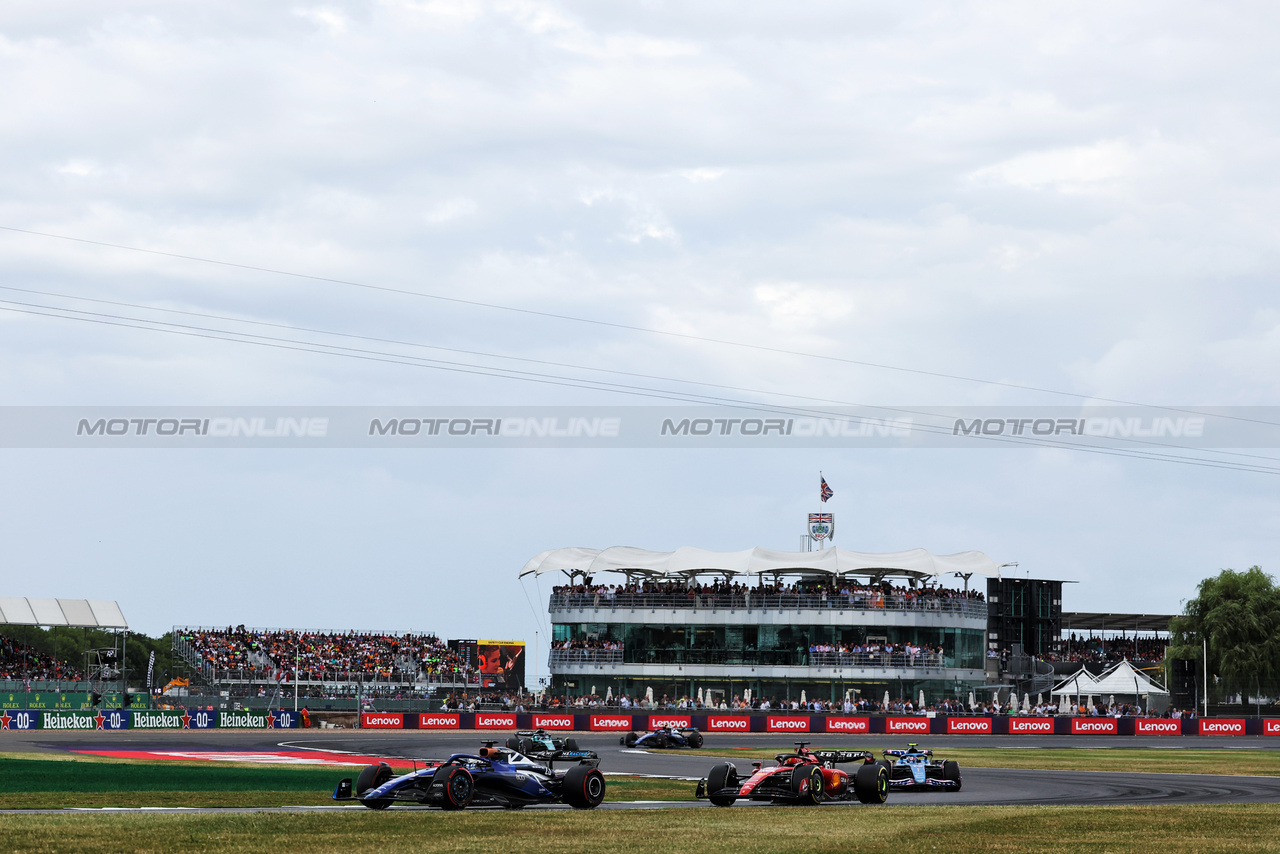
(803, 698)
(648, 693)
(921, 698)
(886, 700)
(973, 702)
(1013, 701)
(699, 696)
(1026, 703)
(608, 694)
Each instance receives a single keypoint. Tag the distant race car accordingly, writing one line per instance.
(804, 777)
(496, 777)
(531, 741)
(914, 768)
(663, 737)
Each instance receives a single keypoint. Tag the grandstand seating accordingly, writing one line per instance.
(19, 661)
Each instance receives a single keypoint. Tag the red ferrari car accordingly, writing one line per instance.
(803, 777)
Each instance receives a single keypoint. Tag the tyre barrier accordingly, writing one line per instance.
(897, 725)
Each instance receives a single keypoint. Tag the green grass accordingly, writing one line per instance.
(27, 783)
(893, 830)
(1259, 763)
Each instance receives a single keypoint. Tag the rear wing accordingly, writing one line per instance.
(835, 756)
(900, 753)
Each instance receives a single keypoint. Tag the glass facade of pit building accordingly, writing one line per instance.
(777, 646)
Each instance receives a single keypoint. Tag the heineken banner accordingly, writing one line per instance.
(69, 720)
(108, 719)
(161, 719)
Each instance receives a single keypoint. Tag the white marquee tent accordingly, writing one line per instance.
(1122, 679)
(689, 561)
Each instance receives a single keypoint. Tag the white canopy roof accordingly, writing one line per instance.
(1123, 678)
(90, 613)
(758, 561)
(1081, 682)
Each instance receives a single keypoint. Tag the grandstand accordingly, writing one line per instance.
(247, 662)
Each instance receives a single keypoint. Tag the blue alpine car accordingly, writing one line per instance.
(496, 777)
(914, 768)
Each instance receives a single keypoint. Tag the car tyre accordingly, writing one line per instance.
(583, 787)
(526, 746)
(372, 777)
(658, 741)
(871, 784)
(695, 739)
(807, 784)
(513, 743)
(459, 786)
(722, 777)
(630, 739)
(951, 771)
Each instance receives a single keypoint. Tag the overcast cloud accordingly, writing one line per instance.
(1077, 196)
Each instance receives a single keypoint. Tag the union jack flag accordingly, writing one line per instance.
(826, 491)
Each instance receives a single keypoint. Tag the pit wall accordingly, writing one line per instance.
(905, 726)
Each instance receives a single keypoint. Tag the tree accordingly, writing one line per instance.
(1239, 614)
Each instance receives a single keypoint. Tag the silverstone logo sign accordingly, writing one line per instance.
(1031, 726)
(636, 427)
(553, 721)
(1094, 726)
(1156, 726)
(980, 726)
(906, 724)
(1222, 726)
(606, 723)
(381, 720)
(676, 721)
(721, 723)
(777, 724)
(848, 724)
(439, 721)
(488, 720)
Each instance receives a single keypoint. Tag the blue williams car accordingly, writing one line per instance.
(914, 768)
(663, 737)
(496, 777)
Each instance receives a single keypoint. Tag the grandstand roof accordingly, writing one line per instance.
(1102, 621)
(74, 613)
(689, 561)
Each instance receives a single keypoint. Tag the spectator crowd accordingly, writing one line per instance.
(20, 661)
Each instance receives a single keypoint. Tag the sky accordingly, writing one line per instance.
(1073, 197)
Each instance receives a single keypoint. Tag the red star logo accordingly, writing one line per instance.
(99, 718)
(271, 720)
(5, 719)
(186, 720)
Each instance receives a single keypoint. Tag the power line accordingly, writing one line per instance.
(612, 325)
(570, 382)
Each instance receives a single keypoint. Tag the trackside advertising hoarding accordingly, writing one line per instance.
(243, 720)
(974, 726)
(1156, 726)
(1094, 726)
(1222, 726)
(675, 721)
(160, 719)
(610, 723)
(848, 724)
(493, 720)
(1271, 726)
(19, 720)
(439, 720)
(560, 721)
(728, 723)
(69, 720)
(381, 720)
(1031, 726)
(787, 724)
(916, 725)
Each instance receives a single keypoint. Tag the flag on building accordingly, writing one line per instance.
(826, 491)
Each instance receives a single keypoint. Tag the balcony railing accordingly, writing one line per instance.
(750, 601)
(761, 657)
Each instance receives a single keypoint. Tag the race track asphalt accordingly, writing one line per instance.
(981, 785)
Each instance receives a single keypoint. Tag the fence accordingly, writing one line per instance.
(974, 608)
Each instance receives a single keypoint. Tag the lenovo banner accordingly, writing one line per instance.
(439, 720)
(382, 720)
(848, 724)
(1222, 726)
(1271, 726)
(976, 726)
(906, 724)
(1093, 726)
(779, 724)
(610, 723)
(674, 721)
(489, 720)
(1156, 726)
(1031, 726)
(722, 723)
(552, 722)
